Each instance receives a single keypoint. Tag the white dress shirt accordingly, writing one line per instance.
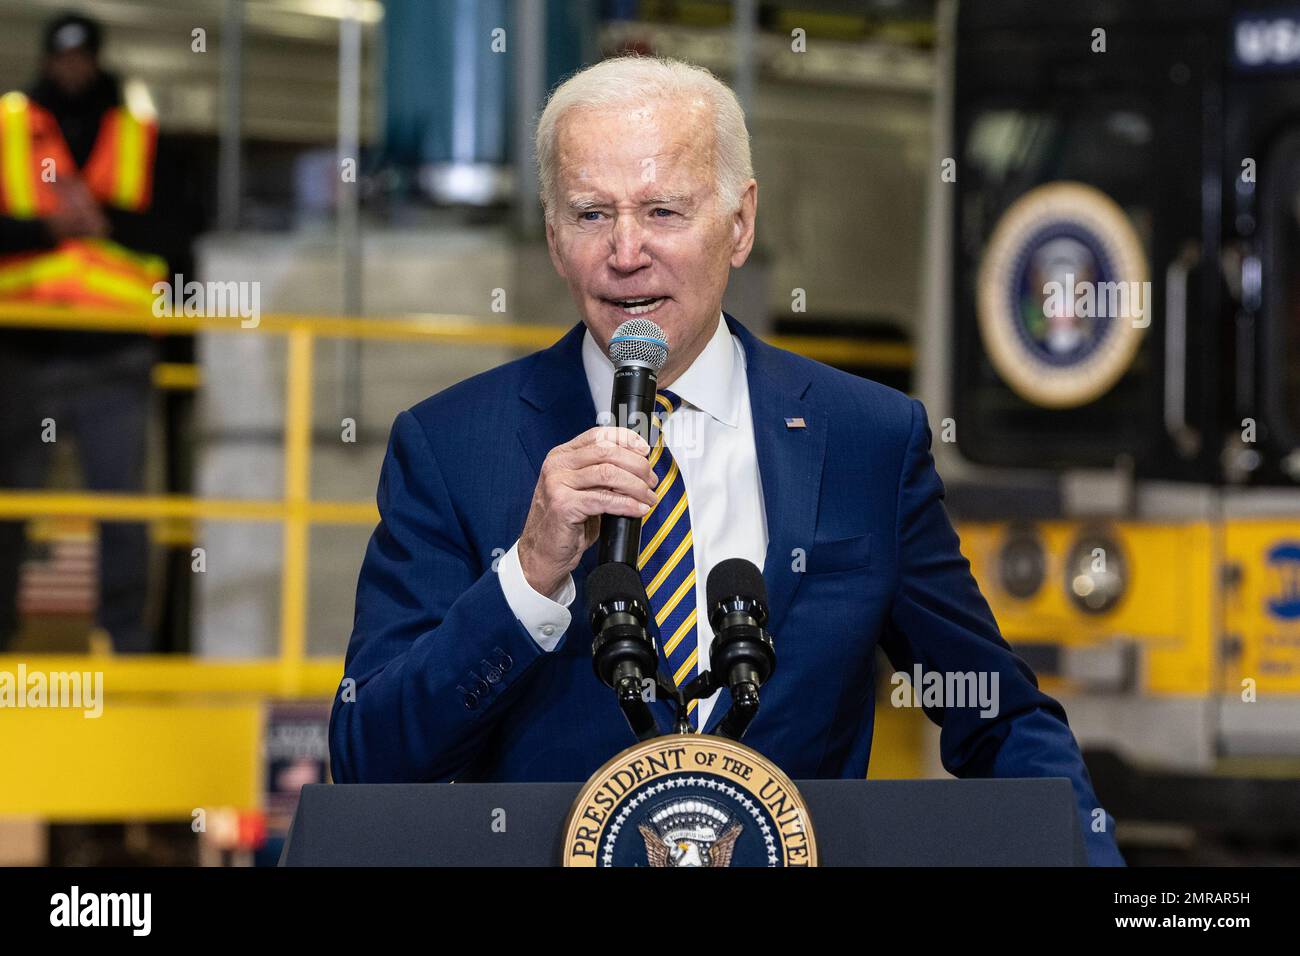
(712, 438)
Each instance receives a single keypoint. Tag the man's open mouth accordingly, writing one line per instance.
(642, 306)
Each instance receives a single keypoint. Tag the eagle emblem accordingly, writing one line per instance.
(690, 833)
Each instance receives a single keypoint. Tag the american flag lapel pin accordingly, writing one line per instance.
(795, 423)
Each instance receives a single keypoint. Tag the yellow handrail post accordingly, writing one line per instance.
(297, 493)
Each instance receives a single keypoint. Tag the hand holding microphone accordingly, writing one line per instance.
(638, 350)
(601, 483)
(604, 471)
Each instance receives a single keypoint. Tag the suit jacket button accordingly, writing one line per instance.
(468, 698)
(481, 687)
(503, 660)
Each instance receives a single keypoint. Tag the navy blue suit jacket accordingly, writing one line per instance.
(449, 684)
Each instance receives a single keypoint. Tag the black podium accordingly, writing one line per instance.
(857, 823)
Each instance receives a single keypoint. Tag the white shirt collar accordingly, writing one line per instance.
(710, 383)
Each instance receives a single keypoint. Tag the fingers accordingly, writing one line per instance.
(609, 476)
(611, 433)
(602, 501)
(618, 458)
(603, 471)
(95, 226)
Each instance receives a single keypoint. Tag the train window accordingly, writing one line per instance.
(1011, 144)
(1282, 360)
(1048, 136)
(1110, 144)
(1111, 148)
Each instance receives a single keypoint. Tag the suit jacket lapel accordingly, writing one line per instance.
(790, 470)
(557, 400)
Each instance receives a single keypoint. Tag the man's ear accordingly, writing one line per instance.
(742, 225)
(555, 255)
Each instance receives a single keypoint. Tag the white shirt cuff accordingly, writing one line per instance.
(544, 618)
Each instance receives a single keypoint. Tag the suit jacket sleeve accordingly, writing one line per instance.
(435, 648)
(940, 620)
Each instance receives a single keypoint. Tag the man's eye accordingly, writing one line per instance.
(589, 212)
(662, 209)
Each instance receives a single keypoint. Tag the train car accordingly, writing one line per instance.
(1111, 361)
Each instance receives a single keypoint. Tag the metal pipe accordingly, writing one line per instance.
(530, 80)
(230, 134)
(348, 352)
(744, 25)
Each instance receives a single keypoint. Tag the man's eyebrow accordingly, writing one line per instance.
(580, 203)
(668, 199)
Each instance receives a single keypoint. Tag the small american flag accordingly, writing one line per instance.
(795, 423)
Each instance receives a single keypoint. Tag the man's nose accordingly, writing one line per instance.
(628, 251)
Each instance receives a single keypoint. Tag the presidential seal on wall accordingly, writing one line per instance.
(689, 800)
(1063, 295)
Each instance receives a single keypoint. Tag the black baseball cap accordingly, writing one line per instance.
(72, 31)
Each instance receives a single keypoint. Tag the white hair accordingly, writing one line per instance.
(625, 80)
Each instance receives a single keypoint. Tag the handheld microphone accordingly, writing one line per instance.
(742, 656)
(638, 351)
(624, 651)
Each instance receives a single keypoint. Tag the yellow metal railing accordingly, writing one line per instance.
(291, 673)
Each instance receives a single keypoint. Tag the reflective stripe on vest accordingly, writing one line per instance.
(82, 272)
(17, 172)
(118, 172)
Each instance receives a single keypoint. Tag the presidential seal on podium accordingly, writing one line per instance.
(689, 800)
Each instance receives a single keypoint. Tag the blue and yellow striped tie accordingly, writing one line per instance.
(667, 560)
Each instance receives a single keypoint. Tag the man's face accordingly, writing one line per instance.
(637, 216)
(72, 71)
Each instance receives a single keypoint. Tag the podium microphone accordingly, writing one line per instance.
(624, 652)
(638, 351)
(742, 656)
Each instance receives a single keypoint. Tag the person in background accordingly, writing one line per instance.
(81, 226)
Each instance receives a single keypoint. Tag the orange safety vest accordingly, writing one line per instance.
(119, 173)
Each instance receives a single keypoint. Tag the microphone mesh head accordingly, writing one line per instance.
(640, 341)
(614, 581)
(735, 577)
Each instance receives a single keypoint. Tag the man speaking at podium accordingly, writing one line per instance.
(471, 657)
